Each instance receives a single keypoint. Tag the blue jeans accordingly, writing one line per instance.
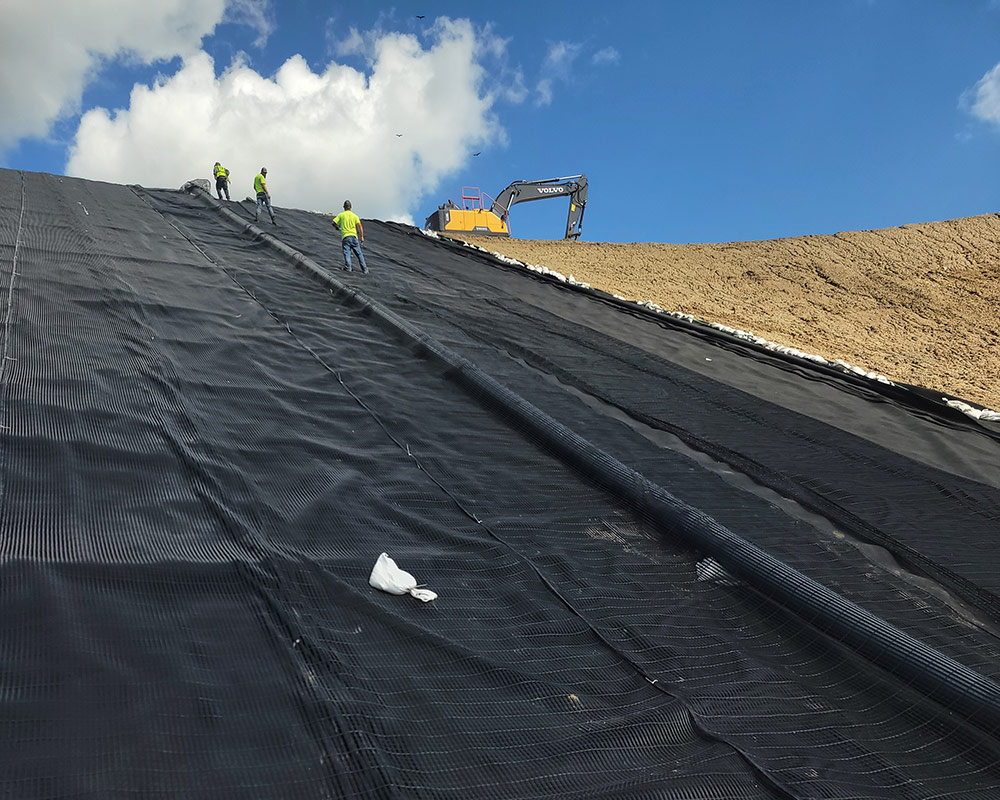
(351, 243)
(263, 200)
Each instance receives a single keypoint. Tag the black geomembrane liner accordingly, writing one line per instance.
(964, 690)
(204, 450)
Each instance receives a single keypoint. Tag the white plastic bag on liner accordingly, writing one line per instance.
(388, 577)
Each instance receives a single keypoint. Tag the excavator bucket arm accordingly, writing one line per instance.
(574, 187)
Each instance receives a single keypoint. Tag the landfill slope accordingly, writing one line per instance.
(210, 433)
(916, 303)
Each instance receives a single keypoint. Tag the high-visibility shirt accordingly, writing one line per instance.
(221, 172)
(259, 183)
(347, 221)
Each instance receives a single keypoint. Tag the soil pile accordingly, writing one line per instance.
(918, 303)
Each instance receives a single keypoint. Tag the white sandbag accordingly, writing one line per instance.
(388, 577)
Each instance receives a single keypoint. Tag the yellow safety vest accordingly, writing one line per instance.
(347, 221)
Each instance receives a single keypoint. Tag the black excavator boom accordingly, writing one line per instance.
(574, 187)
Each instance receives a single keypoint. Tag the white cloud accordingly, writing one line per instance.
(607, 55)
(363, 43)
(983, 100)
(323, 136)
(512, 87)
(351, 45)
(508, 83)
(557, 66)
(560, 58)
(257, 14)
(544, 91)
(50, 48)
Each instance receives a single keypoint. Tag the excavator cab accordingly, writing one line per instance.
(474, 217)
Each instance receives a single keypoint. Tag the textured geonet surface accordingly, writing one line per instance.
(205, 448)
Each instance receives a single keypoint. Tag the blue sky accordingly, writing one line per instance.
(712, 121)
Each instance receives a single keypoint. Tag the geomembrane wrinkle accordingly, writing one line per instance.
(207, 450)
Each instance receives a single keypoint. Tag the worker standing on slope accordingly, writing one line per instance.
(263, 195)
(221, 180)
(352, 236)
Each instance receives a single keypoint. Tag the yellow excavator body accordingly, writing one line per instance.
(479, 221)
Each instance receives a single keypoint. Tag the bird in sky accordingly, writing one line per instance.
(399, 134)
(476, 154)
(420, 16)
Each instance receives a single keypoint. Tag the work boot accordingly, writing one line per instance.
(256, 218)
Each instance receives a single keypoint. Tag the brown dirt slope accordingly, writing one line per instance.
(919, 304)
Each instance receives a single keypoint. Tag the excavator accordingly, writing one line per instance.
(475, 217)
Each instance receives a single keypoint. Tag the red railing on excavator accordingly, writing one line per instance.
(473, 198)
